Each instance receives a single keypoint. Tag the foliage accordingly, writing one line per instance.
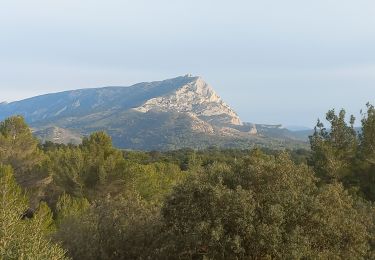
(334, 150)
(341, 154)
(189, 204)
(265, 207)
(114, 228)
(22, 238)
(18, 147)
(69, 207)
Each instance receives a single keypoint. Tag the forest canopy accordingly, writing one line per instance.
(93, 201)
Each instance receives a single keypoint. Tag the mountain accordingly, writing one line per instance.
(169, 114)
(278, 131)
(58, 135)
(297, 128)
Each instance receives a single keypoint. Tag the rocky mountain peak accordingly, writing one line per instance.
(195, 97)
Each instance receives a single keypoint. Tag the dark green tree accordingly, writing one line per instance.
(101, 159)
(334, 149)
(364, 170)
(264, 208)
(18, 147)
(122, 227)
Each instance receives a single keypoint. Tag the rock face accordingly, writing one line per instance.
(197, 98)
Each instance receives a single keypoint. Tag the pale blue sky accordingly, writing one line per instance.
(273, 61)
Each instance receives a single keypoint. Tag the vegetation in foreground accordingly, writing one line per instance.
(93, 201)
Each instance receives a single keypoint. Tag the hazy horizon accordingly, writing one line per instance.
(274, 62)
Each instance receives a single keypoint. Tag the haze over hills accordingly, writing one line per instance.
(169, 114)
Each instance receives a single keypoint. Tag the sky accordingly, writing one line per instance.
(273, 61)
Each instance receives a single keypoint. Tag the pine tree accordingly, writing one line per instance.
(21, 237)
(18, 147)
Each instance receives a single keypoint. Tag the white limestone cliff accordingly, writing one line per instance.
(196, 98)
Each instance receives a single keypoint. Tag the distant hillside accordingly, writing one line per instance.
(58, 135)
(277, 131)
(170, 114)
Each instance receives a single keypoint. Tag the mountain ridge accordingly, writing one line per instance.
(180, 112)
(134, 96)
